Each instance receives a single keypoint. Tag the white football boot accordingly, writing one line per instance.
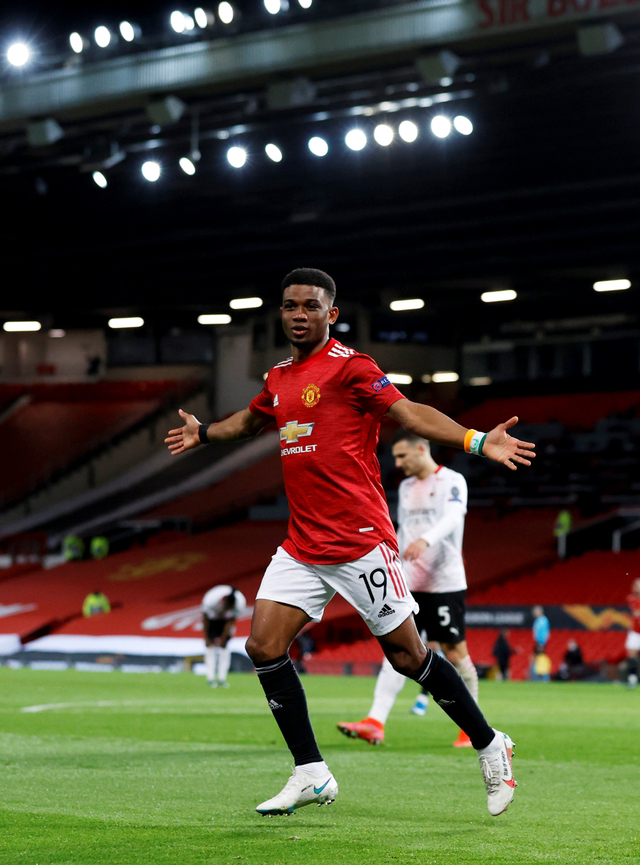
(302, 788)
(498, 773)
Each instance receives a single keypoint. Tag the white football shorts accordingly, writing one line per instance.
(374, 585)
(632, 643)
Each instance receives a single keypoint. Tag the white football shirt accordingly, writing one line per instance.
(434, 509)
(213, 603)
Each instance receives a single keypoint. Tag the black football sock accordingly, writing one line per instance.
(443, 682)
(283, 689)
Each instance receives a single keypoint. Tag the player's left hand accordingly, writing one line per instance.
(415, 550)
(503, 448)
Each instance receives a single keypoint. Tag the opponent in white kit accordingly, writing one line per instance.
(221, 606)
(432, 503)
(327, 402)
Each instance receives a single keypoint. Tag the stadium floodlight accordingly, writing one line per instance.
(57, 333)
(99, 179)
(318, 146)
(403, 305)
(499, 295)
(187, 166)
(226, 12)
(399, 378)
(237, 156)
(176, 19)
(441, 126)
(426, 378)
(272, 6)
(611, 285)
(480, 381)
(102, 36)
(126, 322)
(273, 152)
(408, 131)
(463, 125)
(214, 319)
(306, 4)
(355, 139)
(18, 54)
(78, 43)
(442, 377)
(383, 134)
(246, 303)
(21, 326)
(151, 171)
(203, 18)
(189, 23)
(129, 31)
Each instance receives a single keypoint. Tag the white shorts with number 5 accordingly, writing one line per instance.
(374, 585)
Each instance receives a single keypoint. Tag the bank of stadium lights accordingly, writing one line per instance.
(99, 179)
(151, 171)
(399, 378)
(383, 134)
(129, 32)
(181, 22)
(226, 13)
(408, 131)
(498, 296)
(125, 322)
(275, 6)
(237, 157)
(246, 303)
(612, 285)
(203, 18)
(462, 125)
(187, 165)
(318, 146)
(441, 126)
(306, 4)
(355, 139)
(18, 54)
(102, 36)
(222, 318)
(273, 152)
(443, 377)
(404, 305)
(21, 326)
(57, 333)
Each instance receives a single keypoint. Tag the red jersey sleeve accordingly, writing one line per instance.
(369, 387)
(263, 403)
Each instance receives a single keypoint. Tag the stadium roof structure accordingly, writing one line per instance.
(542, 197)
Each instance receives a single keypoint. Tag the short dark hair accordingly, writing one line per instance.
(311, 276)
(403, 436)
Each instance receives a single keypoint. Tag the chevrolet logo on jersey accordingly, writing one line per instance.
(294, 431)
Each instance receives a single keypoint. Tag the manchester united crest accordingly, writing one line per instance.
(311, 395)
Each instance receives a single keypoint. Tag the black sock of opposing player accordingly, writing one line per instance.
(443, 682)
(283, 689)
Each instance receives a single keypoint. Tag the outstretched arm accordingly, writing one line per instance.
(241, 425)
(428, 423)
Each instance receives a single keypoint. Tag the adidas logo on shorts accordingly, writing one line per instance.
(385, 611)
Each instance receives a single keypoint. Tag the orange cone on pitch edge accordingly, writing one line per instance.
(463, 741)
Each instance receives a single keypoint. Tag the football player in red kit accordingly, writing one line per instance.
(327, 401)
(632, 644)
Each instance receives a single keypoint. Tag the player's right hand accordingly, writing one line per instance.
(186, 437)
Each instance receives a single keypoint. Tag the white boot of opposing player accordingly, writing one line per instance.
(312, 783)
(495, 762)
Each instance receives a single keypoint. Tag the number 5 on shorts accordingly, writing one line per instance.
(445, 616)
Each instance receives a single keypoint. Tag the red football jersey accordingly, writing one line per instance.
(328, 408)
(634, 603)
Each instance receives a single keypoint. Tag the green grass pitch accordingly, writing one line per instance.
(152, 769)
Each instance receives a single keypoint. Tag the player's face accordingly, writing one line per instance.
(409, 459)
(306, 315)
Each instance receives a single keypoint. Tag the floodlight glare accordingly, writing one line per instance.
(151, 171)
(225, 13)
(214, 319)
(102, 36)
(57, 333)
(127, 31)
(355, 139)
(237, 156)
(441, 126)
(203, 18)
(187, 166)
(463, 125)
(441, 377)
(21, 326)
(189, 23)
(18, 54)
(246, 303)
(273, 152)
(408, 131)
(399, 378)
(383, 134)
(77, 43)
(306, 4)
(402, 305)
(272, 6)
(480, 381)
(498, 296)
(612, 285)
(121, 323)
(99, 179)
(318, 146)
(177, 21)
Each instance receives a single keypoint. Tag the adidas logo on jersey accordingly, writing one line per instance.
(385, 611)
(273, 705)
